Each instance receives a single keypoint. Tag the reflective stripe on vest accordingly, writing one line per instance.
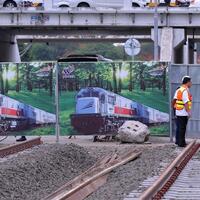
(179, 102)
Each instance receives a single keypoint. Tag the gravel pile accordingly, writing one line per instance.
(36, 173)
(127, 178)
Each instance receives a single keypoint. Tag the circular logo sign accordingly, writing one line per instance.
(132, 47)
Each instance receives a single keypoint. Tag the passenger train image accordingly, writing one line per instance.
(101, 111)
(17, 115)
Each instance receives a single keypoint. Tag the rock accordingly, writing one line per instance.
(133, 132)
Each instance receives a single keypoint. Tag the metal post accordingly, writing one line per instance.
(57, 103)
(195, 53)
(156, 57)
(170, 110)
(133, 58)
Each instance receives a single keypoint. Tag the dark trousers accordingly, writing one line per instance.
(181, 124)
(177, 132)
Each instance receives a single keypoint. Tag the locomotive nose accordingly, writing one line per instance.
(87, 105)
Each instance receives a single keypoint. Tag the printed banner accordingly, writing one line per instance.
(97, 98)
(27, 99)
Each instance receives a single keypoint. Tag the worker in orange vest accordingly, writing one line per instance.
(174, 112)
(182, 103)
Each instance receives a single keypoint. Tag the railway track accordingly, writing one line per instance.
(180, 180)
(12, 149)
(88, 182)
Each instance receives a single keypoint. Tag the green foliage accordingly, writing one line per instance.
(150, 97)
(67, 107)
(160, 130)
(39, 131)
(53, 51)
(107, 50)
(48, 52)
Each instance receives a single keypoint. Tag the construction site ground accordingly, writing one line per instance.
(46, 167)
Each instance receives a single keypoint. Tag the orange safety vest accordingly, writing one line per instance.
(179, 101)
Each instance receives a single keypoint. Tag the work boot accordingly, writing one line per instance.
(21, 139)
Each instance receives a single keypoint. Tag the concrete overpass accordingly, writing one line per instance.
(178, 26)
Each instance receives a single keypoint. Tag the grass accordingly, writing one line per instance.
(39, 99)
(154, 98)
(39, 131)
(42, 100)
(160, 130)
(67, 107)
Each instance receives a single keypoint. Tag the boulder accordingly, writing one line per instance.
(133, 132)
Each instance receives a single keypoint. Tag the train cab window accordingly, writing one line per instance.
(79, 96)
(102, 98)
(85, 94)
(111, 100)
(89, 93)
(94, 93)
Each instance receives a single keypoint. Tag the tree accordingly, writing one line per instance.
(114, 78)
(107, 50)
(93, 75)
(131, 76)
(28, 78)
(120, 79)
(48, 51)
(6, 84)
(51, 81)
(141, 74)
(1, 80)
(164, 81)
(17, 78)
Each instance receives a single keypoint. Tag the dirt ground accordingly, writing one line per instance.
(35, 173)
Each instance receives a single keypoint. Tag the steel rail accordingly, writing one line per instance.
(12, 149)
(155, 191)
(91, 180)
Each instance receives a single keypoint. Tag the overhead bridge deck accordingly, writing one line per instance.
(138, 17)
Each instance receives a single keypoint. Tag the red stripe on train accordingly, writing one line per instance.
(11, 112)
(123, 111)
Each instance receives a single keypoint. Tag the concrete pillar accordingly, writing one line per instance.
(170, 41)
(178, 49)
(166, 44)
(9, 49)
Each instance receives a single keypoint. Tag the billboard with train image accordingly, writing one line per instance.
(27, 98)
(106, 94)
(95, 98)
